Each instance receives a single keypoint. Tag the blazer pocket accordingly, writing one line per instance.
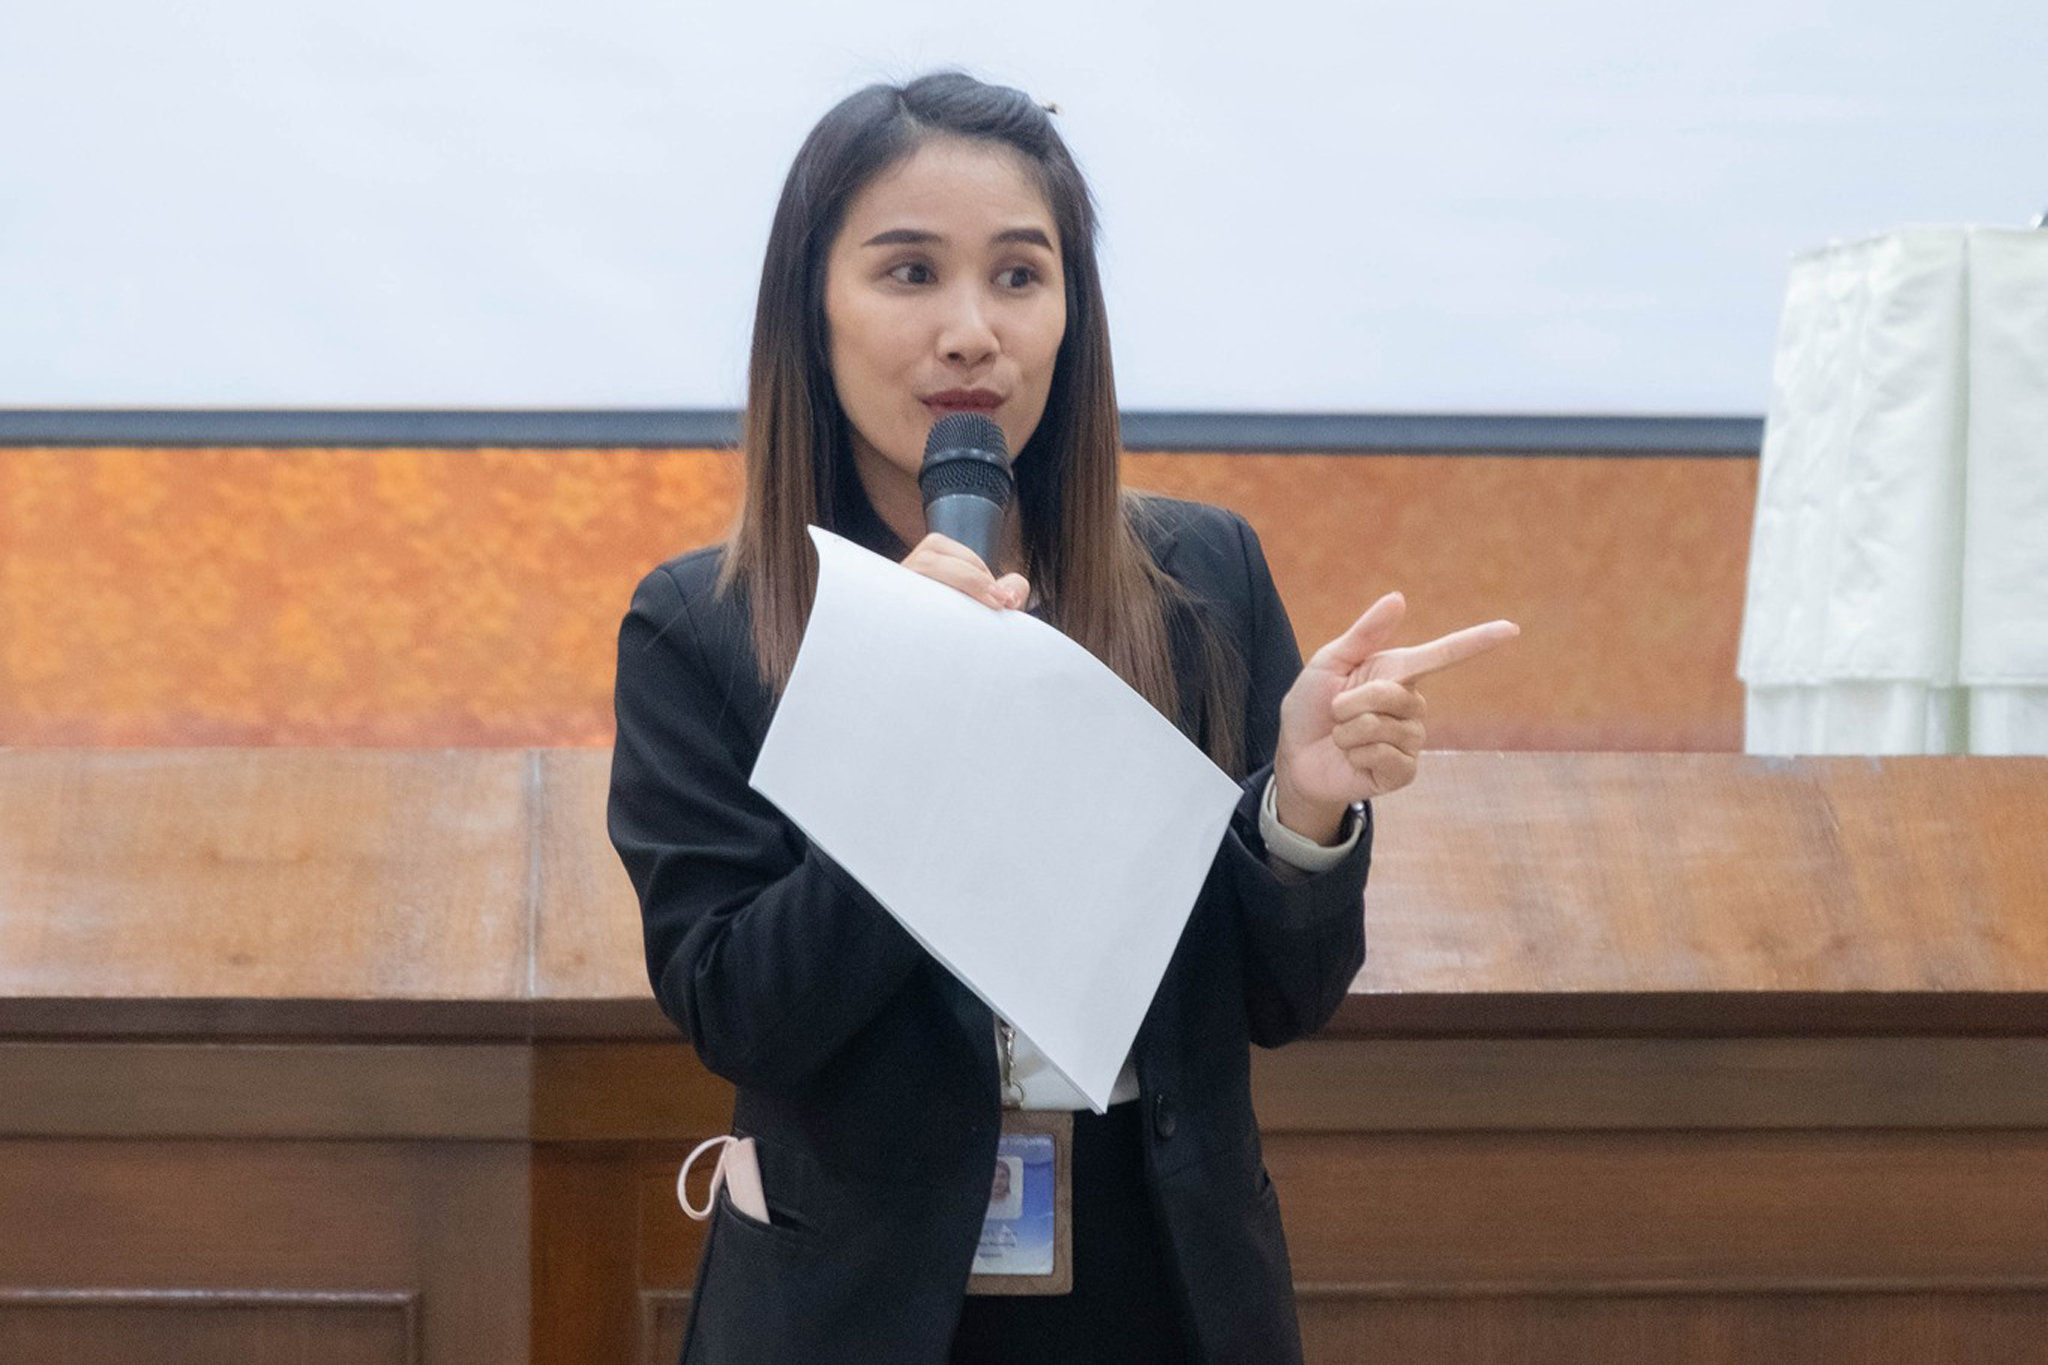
(790, 1233)
(750, 1301)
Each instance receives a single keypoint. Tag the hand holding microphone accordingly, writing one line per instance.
(967, 486)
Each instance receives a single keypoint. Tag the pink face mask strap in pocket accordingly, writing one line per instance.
(717, 1174)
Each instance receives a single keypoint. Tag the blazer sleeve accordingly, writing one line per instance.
(765, 953)
(1304, 936)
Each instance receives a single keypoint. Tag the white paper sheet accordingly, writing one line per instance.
(1030, 819)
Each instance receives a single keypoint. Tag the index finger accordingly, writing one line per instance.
(947, 561)
(1410, 662)
(937, 543)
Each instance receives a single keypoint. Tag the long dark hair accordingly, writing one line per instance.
(1082, 550)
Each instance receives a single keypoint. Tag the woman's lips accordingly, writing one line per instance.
(962, 400)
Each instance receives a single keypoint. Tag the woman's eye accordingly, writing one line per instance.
(1017, 277)
(912, 272)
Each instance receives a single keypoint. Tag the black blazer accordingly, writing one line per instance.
(867, 1073)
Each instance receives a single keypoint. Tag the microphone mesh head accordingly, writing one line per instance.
(965, 431)
(965, 453)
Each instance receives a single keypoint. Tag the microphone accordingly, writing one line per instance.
(967, 483)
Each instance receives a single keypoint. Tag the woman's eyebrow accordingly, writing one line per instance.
(918, 237)
(1030, 235)
(901, 237)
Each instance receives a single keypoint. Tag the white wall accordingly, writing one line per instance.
(1466, 205)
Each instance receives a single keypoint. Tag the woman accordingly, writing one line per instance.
(933, 252)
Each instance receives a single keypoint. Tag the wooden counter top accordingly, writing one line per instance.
(211, 892)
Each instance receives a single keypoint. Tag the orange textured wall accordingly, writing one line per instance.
(1626, 575)
(469, 597)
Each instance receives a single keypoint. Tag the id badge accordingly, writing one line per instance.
(1027, 1240)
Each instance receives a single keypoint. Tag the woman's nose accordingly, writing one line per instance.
(965, 334)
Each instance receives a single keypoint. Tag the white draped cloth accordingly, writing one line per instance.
(1898, 574)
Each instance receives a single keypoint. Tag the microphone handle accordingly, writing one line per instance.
(975, 522)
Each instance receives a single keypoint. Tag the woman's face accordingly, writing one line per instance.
(943, 294)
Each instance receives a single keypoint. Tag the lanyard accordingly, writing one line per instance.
(1027, 1239)
(1013, 1093)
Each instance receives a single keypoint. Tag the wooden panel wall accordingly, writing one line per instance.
(1815, 1222)
(195, 1167)
(471, 597)
(1730, 1326)
(157, 1327)
(268, 1250)
(1485, 1218)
